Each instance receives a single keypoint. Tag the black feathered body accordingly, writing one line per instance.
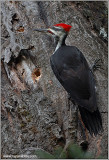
(72, 70)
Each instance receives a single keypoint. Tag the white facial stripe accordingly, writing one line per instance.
(57, 27)
(53, 31)
(59, 32)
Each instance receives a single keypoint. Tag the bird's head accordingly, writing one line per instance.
(57, 30)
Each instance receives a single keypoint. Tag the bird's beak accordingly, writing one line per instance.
(41, 30)
(48, 30)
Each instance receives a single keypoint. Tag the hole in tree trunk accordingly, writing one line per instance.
(36, 74)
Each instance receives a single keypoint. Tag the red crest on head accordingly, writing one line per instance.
(65, 26)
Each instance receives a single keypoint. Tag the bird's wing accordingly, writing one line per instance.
(79, 83)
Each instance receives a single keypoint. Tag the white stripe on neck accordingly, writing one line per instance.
(58, 45)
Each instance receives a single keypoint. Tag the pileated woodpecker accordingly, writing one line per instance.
(72, 70)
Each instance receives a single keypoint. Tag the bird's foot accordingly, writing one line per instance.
(97, 64)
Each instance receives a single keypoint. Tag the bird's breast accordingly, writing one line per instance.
(67, 56)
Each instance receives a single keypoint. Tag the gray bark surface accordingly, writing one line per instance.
(35, 111)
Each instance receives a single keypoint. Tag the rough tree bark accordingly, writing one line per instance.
(36, 112)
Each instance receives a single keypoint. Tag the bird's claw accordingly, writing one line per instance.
(97, 64)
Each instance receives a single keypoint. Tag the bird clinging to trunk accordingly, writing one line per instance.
(73, 72)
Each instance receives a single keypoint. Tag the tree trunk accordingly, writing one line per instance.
(36, 111)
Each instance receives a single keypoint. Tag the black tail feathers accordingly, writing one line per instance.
(91, 120)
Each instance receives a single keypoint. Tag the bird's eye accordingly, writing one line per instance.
(57, 28)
